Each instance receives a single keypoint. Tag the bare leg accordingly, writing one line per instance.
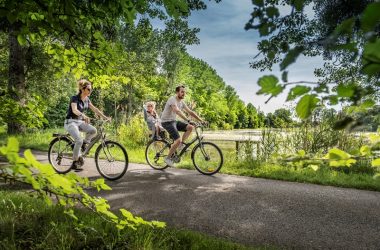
(157, 130)
(189, 129)
(174, 146)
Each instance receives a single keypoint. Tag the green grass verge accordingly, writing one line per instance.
(28, 223)
(324, 176)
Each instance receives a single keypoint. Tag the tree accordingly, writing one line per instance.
(343, 32)
(80, 32)
(253, 118)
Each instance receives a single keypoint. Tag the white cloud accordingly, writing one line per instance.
(228, 48)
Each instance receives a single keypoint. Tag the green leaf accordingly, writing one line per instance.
(333, 99)
(48, 201)
(159, 224)
(301, 153)
(345, 27)
(70, 213)
(298, 4)
(342, 163)
(21, 39)
(297, 91)
(365, 150)
(337, 154)
(348, 46)
(314, 167)
(176, 8)
(291, 57)
(105, 187)
(306, 105)
(346, 90)
(269, 85)
(370, 17)
(259, 3)
(375, 162)
(369, 103)
(272, 12)
(264, 29)
(13, 145)
(371, 52)
(371, 69)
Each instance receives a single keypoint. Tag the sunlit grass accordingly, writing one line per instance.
(28, 223)
(232, 165)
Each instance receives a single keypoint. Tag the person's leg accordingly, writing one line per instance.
(157, 129)
(73, 129)
(154, 129)
(174, 146)
(173, 132)
(187, 128)
(89, 130)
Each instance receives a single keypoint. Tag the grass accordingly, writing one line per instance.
(324, 176)
(28, 223)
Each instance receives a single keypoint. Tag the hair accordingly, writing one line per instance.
(154, 107)
(179, 87)
(151, 103)
(82, 84)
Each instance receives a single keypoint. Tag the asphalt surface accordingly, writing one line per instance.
(248, 210)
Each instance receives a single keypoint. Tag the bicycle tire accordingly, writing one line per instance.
(114, 154)
(66, 154)
(155, 153)
(203, 163)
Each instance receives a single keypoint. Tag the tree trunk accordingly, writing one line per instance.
(16, 79)
(130, 100)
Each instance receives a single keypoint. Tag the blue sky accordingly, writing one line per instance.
(228, 48)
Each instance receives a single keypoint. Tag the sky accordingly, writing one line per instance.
(227, 47)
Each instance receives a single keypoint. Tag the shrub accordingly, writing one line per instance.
(135, 133)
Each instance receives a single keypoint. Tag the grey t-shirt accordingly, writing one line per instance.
(168, 115)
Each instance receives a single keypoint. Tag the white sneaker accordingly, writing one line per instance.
(169, 161)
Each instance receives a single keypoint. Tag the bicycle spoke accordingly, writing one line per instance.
(60, 155)
(207, 158)
(111, 160)
(155, 154)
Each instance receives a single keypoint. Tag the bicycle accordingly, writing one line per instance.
(111, 158)
(206, 156)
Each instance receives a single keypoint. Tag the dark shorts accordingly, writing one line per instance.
(173, 128)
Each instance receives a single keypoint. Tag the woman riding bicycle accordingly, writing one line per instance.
(77, 121)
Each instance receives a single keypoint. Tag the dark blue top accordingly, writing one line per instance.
(81, 106)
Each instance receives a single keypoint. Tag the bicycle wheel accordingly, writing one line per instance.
(111, 160)
(155, 154)
(207, 158)
(60, 154)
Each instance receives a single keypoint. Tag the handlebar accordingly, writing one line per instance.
(199, 124)
(100, 122)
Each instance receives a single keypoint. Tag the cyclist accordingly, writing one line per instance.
(174, 107)
(77, 121)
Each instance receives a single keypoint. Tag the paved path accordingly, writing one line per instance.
(249, 210)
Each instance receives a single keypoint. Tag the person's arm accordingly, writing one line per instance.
(192, 113)
(179, 112)
(145, 114)
(98, 112)
(75, 110)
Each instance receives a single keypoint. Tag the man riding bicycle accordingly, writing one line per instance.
(174, 107)
(77, 121)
